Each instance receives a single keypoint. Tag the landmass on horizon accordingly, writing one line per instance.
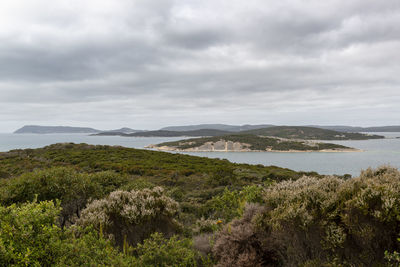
(38, 129)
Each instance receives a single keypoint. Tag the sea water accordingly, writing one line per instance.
(376, 152)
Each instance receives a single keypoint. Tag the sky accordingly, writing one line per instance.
(147, 64)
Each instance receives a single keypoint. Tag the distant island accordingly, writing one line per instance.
(248, 143)
(288, 132)
(164, 133)
(37, 129)
(222, 127)
(310, 133)
(239, 128)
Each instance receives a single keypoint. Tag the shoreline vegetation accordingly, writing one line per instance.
(249, 143)
(91, 205)
(172, 149)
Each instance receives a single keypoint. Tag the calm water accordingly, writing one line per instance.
(376, 152)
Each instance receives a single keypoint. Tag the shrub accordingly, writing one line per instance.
(159, 251)
(319, 222)
(132, 216)
(87, 247)
(335, 220)
(240, 244)
(30, 236)
(74, 189)
(230, 204)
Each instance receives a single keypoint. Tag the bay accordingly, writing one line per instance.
(375, 152)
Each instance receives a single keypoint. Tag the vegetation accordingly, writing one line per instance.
(310, 133)
(256, 143)
(81, 205)
(319, 222)
(131, 217)
(288, 132)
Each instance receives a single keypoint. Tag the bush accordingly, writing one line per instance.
(319, 221)
(132, 216)
(30, 236)
(230, 204)
(240, 244)
(335, 220)
(74, 189)
(159, 251)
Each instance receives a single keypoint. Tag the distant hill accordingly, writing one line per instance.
(382, 129)
(222, 127)
(124, 130)
(310, 133)
(247, 142)
(342, 128)
(36, 129)
(246, 127)
(288, 132)
(163, 133)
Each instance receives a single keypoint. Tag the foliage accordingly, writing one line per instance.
(132, 216)
(310, 133)
(190, 180)
(159, 251)
(240, 244)
(30, 236)
(255, 142)
(230, 204)
(333, 220)
(393, 257)
(74, 189)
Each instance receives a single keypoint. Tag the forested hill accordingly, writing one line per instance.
(288, 132)
(222, 127)
(309, 133)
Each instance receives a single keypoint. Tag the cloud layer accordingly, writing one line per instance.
(148, 63)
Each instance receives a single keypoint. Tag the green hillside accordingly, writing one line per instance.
(84, 205)
(310, 133)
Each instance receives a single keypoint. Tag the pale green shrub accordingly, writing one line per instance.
(316, 221)
(132, 215)
(331, 219)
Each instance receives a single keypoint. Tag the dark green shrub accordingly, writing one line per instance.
(74, 189)
(159, 251)
(30, 236)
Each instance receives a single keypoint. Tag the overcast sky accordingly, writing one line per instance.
(147, 64)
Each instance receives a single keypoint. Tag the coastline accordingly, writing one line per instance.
(173, 149)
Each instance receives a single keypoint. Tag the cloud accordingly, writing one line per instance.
(147, 63)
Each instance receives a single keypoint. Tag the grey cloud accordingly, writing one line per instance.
(135, 59)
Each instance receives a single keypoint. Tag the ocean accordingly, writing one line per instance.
(376, 152)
